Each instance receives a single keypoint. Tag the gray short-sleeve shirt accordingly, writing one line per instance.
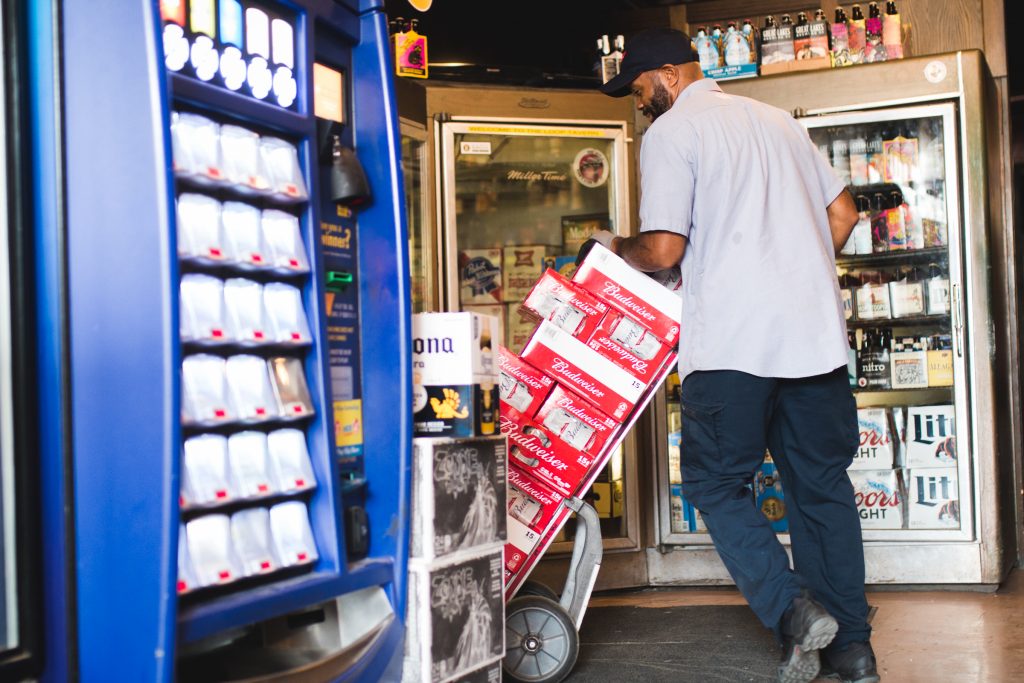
(743, 183)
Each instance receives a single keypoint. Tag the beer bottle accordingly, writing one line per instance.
(857, 36)
(862, 230)
(874, 50)
(801, 18)
(897, 226)
(892, 35)
(879, 224)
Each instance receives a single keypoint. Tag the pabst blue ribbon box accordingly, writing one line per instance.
(480, 276)
(521, 385)
(618, 284)
(458, 495)
(566, 305)
(879, 502)
(576, 421)
(571, 362)
(541, 455)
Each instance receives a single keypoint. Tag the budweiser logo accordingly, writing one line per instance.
(508, 368)
(568, 405)
(627, 301)
(530, 444)
(622, 353)
(529, 489)
(582, 381)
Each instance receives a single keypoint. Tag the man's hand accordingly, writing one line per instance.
(605, 238)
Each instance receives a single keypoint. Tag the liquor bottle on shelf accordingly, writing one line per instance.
(892, 37)
(840, 40)
(862, 242)
(857, 35)
(874, 50)
(897, 227)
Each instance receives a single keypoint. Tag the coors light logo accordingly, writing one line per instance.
(627, 301)
(530, 444)
(509, 369)
(622, 353)
(570, 373)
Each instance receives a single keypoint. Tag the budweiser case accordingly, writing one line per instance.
(458, 495)
(933, 498)
(565, 305)
(615, 282)
(629, 345)
(571, 362)
(576, 421)
(456, 617)
(522, 541)
(521, 385)
(534, 450)
(530, 503)
(876, 443)
(931, 436)
(454, 374)
(879, 502)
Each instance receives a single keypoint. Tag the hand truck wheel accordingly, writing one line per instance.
(531, 587)
(541, 643)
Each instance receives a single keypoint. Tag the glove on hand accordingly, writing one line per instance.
(602, 237)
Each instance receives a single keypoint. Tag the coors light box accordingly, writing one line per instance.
(458, 495)
(879, 502)
(456, 617)
(876, 443)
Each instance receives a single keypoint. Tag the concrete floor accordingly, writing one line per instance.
(933, 636)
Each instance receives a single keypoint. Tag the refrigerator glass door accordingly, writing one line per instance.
(901, 276)
(417, 214)
(519, 197)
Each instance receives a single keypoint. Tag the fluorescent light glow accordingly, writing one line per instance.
(175, 47)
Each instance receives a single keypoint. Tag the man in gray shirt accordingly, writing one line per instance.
(733, 192)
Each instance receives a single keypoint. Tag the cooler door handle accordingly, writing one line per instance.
(958, 320)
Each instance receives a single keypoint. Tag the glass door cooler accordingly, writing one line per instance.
(930, 477)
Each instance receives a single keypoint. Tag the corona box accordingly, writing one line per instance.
(455, 374)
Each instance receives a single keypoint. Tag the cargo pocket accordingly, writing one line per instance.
(700, 449)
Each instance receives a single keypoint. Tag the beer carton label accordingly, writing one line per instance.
(576, 230)
(810, 41)
(530, 502)
(545, 458)
(940, 368)
(877, 494)
(522, 386)
(906, 298)
(521, 267)
(571, 362)
(456, 616)
(681, 517)
(768, 495)
(876, 444)
(909, 369)
(520, 327)
(480, 276)
(454, 348)
(576, 421)
(567, 306)
(777, 45)
(452, 410)
(458, 491)
(874, 369)
(840, 45)
(615, 282)
(933, 498)
(931, 436)
(629, 345)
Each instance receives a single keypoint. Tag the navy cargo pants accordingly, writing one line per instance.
(810, 427)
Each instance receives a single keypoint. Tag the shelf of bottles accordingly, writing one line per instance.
(246, 477)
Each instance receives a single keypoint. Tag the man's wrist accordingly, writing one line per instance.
(616, 245)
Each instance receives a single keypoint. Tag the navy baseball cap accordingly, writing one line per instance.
(648, 50)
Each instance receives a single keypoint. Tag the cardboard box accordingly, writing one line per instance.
(768, 495)
(571, 362)
(456, 617)
(534, 450)
(608, 499)
(576, 230)
(931, 436)
(777, 50)
(629, 345)
(496, 311)
(933, 498)
(681, 514)
(909, 369)
(488, 673)
(455, 374)
(522, 541)
(563, 265)
(615, 282)
(564, 304)
(576, 421)
(518, 328)
(879, 502)
(480, 276)
(521, 266)
(940, 368)
(530, 503)
(876, 440)
(521, 385)
(458, 495)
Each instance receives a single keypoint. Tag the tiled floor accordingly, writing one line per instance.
(933, 636)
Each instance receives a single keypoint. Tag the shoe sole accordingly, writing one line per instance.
(872, 678)
(804, 663)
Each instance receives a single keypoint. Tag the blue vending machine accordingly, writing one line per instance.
(222, 323)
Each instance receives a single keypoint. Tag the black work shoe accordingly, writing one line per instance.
(853, 663)
(806, 628)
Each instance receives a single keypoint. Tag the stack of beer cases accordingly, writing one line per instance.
(456, 608)
(904, 472)
(599, 342)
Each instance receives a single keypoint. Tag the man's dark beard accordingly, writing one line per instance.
(660, 102)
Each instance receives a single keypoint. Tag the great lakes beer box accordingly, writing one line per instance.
(455, 374)
(933, 498)
(879, 502)
(876, 443)
(626, 289)
(458, 495)
(456, 616)
(931, 436)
